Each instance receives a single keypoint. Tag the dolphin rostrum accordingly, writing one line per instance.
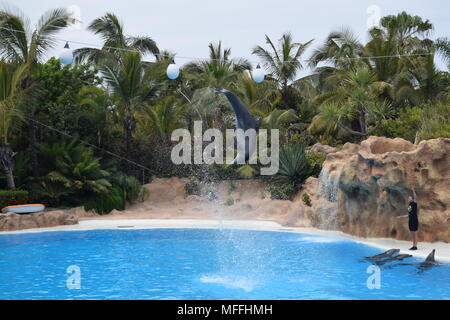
(385, 254)
(244, 121)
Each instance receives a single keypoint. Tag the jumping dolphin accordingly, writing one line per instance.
(244, 121)
(385, 254)
(400, 257)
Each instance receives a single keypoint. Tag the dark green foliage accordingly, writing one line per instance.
(315, 162)
(281, 191)
(128, 185)
(229, 202)
(74, 176)
(306, 199)
(13, 197)
(215, 172)
(74, 167)
(404, 126)
(192, 187)
(58, 101)
(104, 203)
(47, 192)
(415, 124)
(294, 168)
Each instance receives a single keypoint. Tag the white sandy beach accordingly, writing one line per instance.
(442, 249)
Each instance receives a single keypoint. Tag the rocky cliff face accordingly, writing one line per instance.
(12, 221)
(363, 188)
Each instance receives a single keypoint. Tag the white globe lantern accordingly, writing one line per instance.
(173, 71)
(258, 74)
(66, 55)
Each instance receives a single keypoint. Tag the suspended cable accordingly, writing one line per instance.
(162, 55)
(91, 145)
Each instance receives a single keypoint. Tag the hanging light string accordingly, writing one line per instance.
(161, 55)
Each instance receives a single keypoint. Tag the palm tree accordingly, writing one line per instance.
(443, 47)
(75, 167)
(219, 71)
(356, 100)
(260, 98)
(10, 115)
(406, 30)
(130, 85)
(340, 50)
(20, 45)
(283, 63)
(162, 119)
(110, 29)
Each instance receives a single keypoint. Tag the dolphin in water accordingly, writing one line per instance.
(399, 257)
(422, 266)
(430, 260)
(244, 121)
(385, 254)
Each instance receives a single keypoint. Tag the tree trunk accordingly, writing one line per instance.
(25, 84)
(7, 164)
(363, 122)
(130, 127)
(33, 142)
(10, 179)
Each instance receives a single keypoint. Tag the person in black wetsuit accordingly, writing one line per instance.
(413, 222)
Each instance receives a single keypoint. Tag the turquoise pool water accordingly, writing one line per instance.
(202, 264)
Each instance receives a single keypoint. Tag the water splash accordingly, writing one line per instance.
(328, 185)
(328, 188)
(231, 282)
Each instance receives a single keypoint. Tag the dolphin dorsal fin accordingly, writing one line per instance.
(430, 257)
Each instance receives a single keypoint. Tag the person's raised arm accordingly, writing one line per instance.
(414, 195)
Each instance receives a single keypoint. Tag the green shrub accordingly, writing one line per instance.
(315, 161)
(232, 187)
(404, 126)
(104, 203)
(281, 191)
(13, 197)
(306, 199)
(427, 122)
(129, 185)
(74, 167)
(229, 202)
(192, 187)
(215, 172)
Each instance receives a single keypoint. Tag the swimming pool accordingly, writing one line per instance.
(202, 264)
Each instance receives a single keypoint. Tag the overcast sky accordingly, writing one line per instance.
(186, 27)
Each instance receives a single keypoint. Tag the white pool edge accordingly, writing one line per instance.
(442, 249)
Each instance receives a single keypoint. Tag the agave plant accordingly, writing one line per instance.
(294, 168)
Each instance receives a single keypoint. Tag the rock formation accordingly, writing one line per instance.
(372, 182)
(12, 221)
